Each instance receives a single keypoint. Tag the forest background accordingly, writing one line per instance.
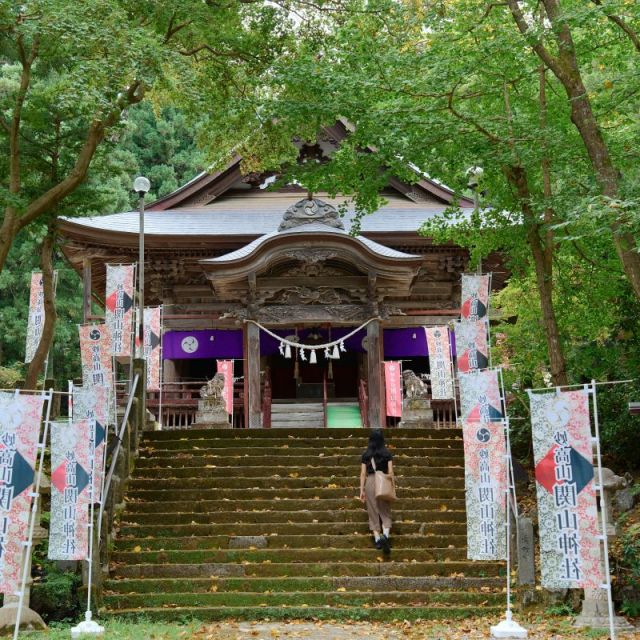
(544, 96)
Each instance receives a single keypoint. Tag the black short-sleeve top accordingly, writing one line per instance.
(382, 461)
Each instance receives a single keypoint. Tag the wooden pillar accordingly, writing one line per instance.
(374, 377)
(252, 375)
(86, 289)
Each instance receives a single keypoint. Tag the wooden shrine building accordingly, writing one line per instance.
(223, 249)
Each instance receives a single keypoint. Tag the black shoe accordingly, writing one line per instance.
(386, 544)
(378, 543)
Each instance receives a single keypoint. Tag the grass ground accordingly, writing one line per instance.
(540, 627)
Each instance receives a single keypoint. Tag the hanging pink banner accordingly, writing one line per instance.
(393, 389)
(35, 322)
(93, 404)
(71, 486)
(567, 508)
(152, 340)
(118, 310)
(472, 348)
(439, 362)
(475, 297)
(95, 355)
(20, 417)
(226, 368)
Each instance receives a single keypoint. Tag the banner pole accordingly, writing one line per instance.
(488, 322)
(34, 509)
(508, 628)
(103, 461)
(89, 626)
(603, 514)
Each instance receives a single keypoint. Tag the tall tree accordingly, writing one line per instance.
(70, 70)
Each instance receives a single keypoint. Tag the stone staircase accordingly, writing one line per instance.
(291, 415)
(253, 524)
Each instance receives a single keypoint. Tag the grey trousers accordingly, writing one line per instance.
(378, 510)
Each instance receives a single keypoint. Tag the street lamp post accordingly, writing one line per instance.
(474, 176)
(141, 186)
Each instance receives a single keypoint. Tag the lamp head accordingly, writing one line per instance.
(474, 175)
(141, 186)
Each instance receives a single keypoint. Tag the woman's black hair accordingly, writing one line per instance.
(376, 443)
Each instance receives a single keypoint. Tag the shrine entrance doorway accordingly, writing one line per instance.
(300, 381)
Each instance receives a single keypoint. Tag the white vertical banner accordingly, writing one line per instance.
(485, 462)
(118, 310)
(93, 403)
(475, 297)
(20, 417)
(95, 355)
(71, 453)
(567, 508)
(152, 332)
(439, 363)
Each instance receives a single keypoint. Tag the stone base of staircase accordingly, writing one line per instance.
(254, 524)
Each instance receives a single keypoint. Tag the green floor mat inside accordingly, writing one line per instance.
(343, 416)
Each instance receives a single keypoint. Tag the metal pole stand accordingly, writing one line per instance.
(87, 627)
(508, 628)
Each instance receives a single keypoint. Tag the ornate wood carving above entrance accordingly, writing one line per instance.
(310, 211)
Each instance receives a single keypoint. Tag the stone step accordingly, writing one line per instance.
(325, 612)
(251, 434)
(453, 479)
(288, 504)
(282, 493)
(326, 445)
(281, 457)
(444, 469)
(231, 547)
(429, 586)
(259, 455)
(314, 569)
(292, 599)
(308, 421)
(286, 407)
(250, 557)
(353, 515)
(290, 528)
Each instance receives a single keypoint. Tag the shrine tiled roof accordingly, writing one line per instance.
(226, 218)
(313, 228)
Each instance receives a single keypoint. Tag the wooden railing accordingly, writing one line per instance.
(266, 404)
(180, 403)
(444, 415)
(363, 400)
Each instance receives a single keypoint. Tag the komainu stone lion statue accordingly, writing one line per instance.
(414, 387)
(212, 393)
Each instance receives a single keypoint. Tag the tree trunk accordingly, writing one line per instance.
(46, 261)
(567, 70)
(544, 277)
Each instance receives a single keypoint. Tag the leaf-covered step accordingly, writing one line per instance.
(320, 598)
(325, 612)
(289, 504)
(142, 555)
(452, 588)
(454, 479)
(257, 456)
(379, 566)
(352, 515)
(279, 528)
(301, 468)
(437, 547)
(161, 496)
(300, 433)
